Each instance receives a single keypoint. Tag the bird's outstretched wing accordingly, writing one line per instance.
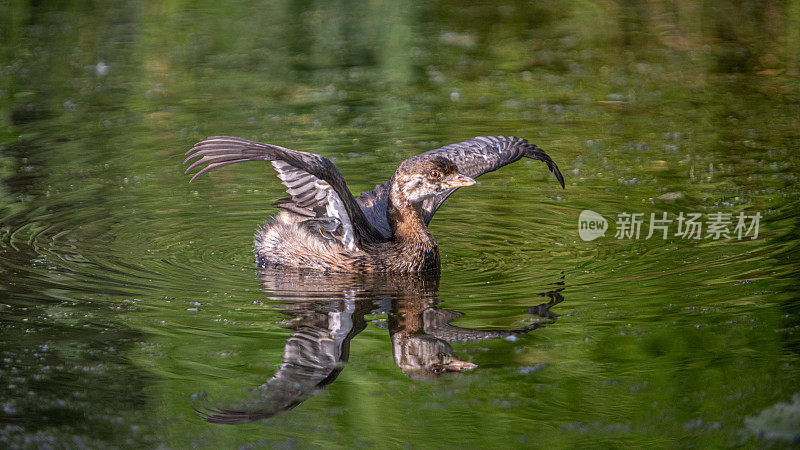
(312, 359)
(314, 355)
(315, 186)
(474, 157)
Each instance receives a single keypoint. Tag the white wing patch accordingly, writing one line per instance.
(314, 195)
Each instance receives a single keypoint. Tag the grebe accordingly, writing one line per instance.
(321, 226)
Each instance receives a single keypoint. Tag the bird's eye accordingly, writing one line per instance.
(436, 174)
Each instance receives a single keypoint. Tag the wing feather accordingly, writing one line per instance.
(474, 157)
(314, 184)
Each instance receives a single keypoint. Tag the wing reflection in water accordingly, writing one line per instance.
(326, 311)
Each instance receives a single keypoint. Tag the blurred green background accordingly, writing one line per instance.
(129, 297)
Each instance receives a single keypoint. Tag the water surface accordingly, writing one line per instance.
(129, 299)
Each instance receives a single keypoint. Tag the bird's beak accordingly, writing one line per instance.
(456, 365)
(458, 181)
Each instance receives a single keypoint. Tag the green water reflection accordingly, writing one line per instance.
(128, 298)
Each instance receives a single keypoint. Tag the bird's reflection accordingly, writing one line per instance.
(326, 311)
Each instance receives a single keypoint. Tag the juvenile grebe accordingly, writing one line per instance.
(322, 226)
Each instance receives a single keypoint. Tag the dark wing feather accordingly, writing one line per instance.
(479, 155)
(373, 203)
(474, 157)
(315, 186)
(312, 359)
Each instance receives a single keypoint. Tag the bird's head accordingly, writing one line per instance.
(422, 356)
(424, 176)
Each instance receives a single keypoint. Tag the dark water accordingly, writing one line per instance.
(129, 298)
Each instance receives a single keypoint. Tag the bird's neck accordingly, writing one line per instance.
(405, 219)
